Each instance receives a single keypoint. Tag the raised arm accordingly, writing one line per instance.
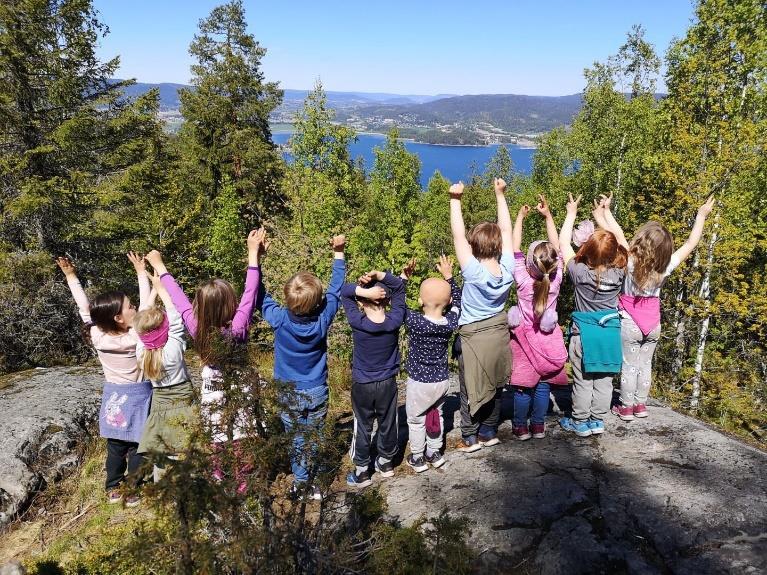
(551, 226)
(457, 227)
(611, 224)
(516, 236)
(396, 314)
(337, 277)
(504, 218)
(177, 295)
(144, 289)
(697, 231)
(566, 233)
(83, 306)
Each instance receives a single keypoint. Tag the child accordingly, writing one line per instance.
(650, 262)
(160, 354)
(301, 354)
(484, 363)
(215, 309)
(597, 272)
(537, 344)
(125, 400)
(428, 336)
(375, 365)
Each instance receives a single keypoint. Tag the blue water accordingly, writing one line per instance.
(453, 162)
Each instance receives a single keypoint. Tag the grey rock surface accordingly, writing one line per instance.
(45, 414)
(665, 494)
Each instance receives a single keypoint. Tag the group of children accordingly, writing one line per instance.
(615, 328)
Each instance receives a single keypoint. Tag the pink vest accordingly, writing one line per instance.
(645, 311)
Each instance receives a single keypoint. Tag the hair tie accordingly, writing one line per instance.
(157, 337)
(532, 266)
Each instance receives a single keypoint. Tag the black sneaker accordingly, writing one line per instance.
(361, 480)
(385, 469)
(436, 459)
(417, 463)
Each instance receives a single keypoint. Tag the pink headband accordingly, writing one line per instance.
(532, 266)
(583, 232)
(157, 337)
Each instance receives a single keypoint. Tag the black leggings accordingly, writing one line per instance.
(121, 455)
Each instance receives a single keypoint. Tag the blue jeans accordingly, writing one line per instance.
(538, 396)
(306, 412)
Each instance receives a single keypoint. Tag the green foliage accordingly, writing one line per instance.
(226, 233)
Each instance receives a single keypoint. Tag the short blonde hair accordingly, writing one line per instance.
(151, 361)
(303, 293)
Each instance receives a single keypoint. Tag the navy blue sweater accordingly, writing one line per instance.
(301, 342)
(428, 341)
(376, 345)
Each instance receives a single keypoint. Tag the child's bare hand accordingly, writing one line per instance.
(543, 206)
(456, 190)
(365, 279)
(445, 266)
(255, 239)
(500, 185)
(524, 210)
(375, 293)
(156, 284)
(338, 243)
(572, 204)
(409, 269)
(66, 266)
(154, 258)
(606, 201)
(138, 262)
(708, 207)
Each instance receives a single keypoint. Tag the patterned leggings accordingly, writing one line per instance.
(638, 351)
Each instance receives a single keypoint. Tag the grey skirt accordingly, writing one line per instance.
(170, 415)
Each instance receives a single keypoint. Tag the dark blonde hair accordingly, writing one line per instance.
(545, 258)
(151, 362)
(303, 293)
(650, 252)
(215, 304)
(602, 251)
(485, 240)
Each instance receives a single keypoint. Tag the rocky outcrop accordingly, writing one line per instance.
(667, 494)
(45, 414)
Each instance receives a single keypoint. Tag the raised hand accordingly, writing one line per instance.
(365, 279)
(500, 185)
(456, 190)
(543, 206)
(523, 211)
(338, 243)
(66, 266)
(375, 293)
(606, 201)
(409, 269)
(572, 204)
(255, 239)
(154, 258)
(138, 262)
(156, 283)
(445, 266)
(708, 207)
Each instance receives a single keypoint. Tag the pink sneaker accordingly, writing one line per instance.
(640, 410)
(521, 432)
(625, 413)
(539, 430)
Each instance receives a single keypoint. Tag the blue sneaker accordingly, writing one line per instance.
(580, 428)
(596, 426)
(359, 481)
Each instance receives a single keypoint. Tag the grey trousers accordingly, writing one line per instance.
(421, 397)
(638, 351)
(592, 392)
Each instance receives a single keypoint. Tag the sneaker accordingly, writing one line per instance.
(417, 463)
(521, 432)
(488, 441)
(596, 426)
(640, 410)
(470, 444)
(385, 469)
(114, 496)
(132, 501)
(436, 460)
(625, 413)
(539, 430)
(302, 492)
(580, 428)
(359, 481)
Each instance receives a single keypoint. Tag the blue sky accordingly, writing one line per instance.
(406, 47)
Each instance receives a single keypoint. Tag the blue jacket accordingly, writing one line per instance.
(301, 342)
(376, 345)
(600, 333)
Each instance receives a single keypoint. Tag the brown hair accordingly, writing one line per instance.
(545, 258)
(104, 308)
(485, 240)
(303, 293)
(602, 251)
(151, 361)
(215, 304)
(650, 252)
